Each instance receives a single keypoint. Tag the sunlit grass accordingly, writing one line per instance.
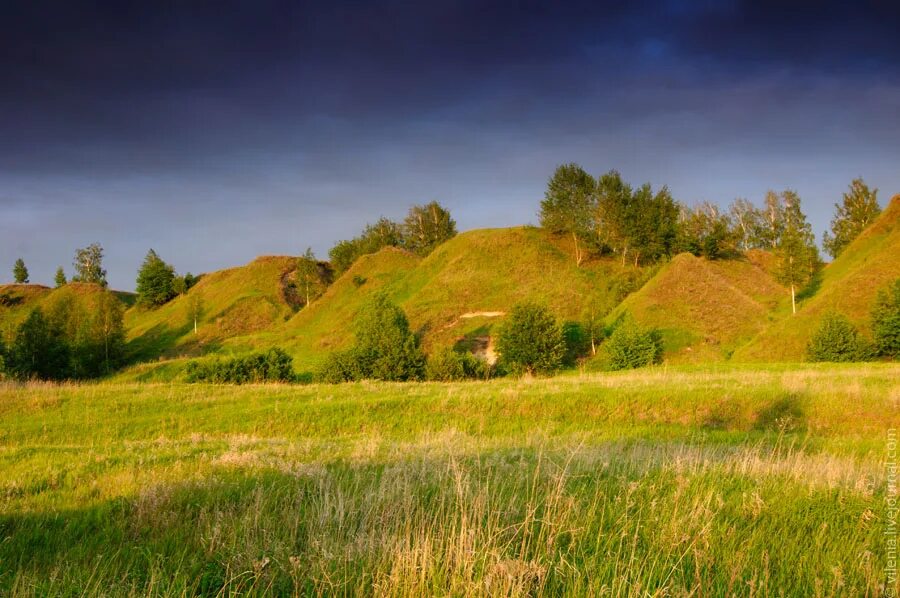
(687, 481)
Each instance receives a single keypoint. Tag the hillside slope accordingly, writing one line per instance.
(705, 309)
(457, 293)
(235, 302)
(848, 286)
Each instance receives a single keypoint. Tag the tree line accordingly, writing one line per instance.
(608, 216)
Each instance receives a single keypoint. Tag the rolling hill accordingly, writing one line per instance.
(847, 286)
(457, 293)
(705, 309)
(235, 302)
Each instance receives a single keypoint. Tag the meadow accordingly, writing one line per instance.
(690, 481)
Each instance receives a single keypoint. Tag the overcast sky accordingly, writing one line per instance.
(218, 131)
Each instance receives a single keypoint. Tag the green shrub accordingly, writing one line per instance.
(886, 321)
(531, 341)
(631, 346)
(835, 340)
(448, 365)
(273, 365)
(386, 349)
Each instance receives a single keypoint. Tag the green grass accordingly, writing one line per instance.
(705, 309)
(706, 481)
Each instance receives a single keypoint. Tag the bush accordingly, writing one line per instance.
(273, 365)
(531, 341)
(449, 366)
(886, 321)
(836, 340)
(386, 349)
(631, 346)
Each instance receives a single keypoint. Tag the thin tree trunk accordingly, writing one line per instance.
(793, 300)
(577, 252)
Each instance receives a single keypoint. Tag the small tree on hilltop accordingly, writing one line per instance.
(531, 341)
(631, 346)
(20, 272)
(836, 340)
(569, 204)
(798, 258)
(155, 281)
(60, 278)
(886, 321)
(426, 227)
(88, 265)
(857, 211)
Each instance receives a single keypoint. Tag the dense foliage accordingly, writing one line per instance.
(424, 228)
(886, 321)
(836, 340)
(530, 340)
(273, 365)
(75, 336)
(632, 346)
(386, 349)
(155, 281)
(448, 365)
(59, 279)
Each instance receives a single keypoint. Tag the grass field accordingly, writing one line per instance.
(725, 480)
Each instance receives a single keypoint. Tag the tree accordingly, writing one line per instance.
(746, 222)
(183, 284)
(612, 214)
(109, 330)
(155, 281)
(705, 231)
(20, 272)
(384, 233)
(836, 340)
(194, 309)
(60, 278)
(886, 321)
(569, 204)
(857, 211)
(38, 351)
(426, 227)
(531, 341)
(310, 276)
(88, 264)
(796, 253)
(386, 349)
(771, 222)
(631, 346)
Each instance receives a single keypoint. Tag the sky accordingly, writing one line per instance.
(214, 132)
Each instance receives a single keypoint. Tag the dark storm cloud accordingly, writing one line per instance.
(215, 131)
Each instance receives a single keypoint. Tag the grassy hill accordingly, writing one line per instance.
(706, 309)
(848, 286)
(236, 302)
(458, 293)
